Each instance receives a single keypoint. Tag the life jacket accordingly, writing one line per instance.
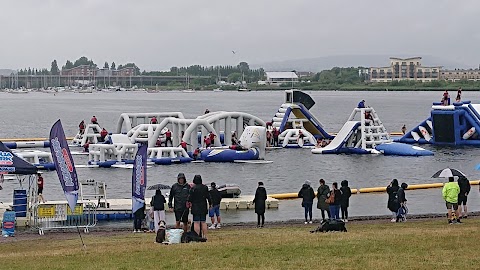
(103, 133)
(94, 120)
(168, 134)
(183, 144)
(276, 132)
(154, 120)
(212, 136)
(208, 141)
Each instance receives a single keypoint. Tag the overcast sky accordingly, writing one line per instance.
(158, 34)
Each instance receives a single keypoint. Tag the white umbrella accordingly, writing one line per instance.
(445, 173)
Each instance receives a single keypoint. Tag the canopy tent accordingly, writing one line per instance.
(11, 163)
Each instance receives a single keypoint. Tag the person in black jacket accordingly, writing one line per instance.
(179, 193)
(138, 217)
(464, 185)
(393, 203)
(199, 197)
(402, 200)
(307, 194)
(158, 204)
(260, 205)
(215, 209)
(345, 199)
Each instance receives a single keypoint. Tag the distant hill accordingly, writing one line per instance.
(6, 72)
(318, 64)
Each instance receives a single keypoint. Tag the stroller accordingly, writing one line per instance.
(402, 213)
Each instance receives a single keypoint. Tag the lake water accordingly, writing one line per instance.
(32, 115)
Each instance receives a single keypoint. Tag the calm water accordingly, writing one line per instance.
(31, 115)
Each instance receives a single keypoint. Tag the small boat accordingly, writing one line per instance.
(217, 90)
(229, 190)
(243, 89)
(188, 91)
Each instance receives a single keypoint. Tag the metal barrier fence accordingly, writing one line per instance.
(59, 216)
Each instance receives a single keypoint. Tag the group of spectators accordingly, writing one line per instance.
(328, 201)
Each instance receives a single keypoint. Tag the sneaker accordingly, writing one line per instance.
(393, 220)
(212, 227)
(310, 222)
(465, 216)
(450, 222)
(218, 226)
(458, 221)
(306, 222)
(346, 220)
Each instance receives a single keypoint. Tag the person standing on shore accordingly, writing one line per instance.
(393, 204)
(40, 183)
(322, 195)
(215, 209)
(345, 199)
(158, 203)
(138, 217)
(450, 193)
(333, 200)
(465, 187)
(260, 205)
(201, 202)
(307, 194)
(402, 210)
(179, 193)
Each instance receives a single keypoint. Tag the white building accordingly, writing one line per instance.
(278, 78)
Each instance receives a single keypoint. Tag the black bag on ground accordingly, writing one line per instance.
(192, 236)
(331, 225)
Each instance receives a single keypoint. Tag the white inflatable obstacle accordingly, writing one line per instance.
(188, 130)
(120, 150)
(255, 137)
(40, 159)
(290, 138)
(91, 134)
(358, 135)
(127, 121)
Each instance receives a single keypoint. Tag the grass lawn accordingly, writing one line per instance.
(430, 244)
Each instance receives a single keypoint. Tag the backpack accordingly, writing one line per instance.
(331, 198)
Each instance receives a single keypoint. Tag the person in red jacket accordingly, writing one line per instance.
(103, 134)
(276, 133)
(212, 137)
(207, 141)
(168, 138)
(81, 127)
(40, 187)
(153, 120)
(94, 120)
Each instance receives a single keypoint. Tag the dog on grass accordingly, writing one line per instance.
(161, 232)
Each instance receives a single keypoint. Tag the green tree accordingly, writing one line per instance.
(234, 77)
(106, 66)
(68, 65)
(54, 70)
(112, 66)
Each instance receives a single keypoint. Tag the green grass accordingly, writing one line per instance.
(412, 245)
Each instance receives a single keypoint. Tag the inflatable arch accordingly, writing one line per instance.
(131, 120)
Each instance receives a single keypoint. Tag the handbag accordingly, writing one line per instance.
(331, 198)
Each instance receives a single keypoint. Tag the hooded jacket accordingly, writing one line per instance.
(450, 192)
(306, 193)
(179, 193)
(259, 200)
(464, 185)
(215, 196)
(199, 196)
(346, 194)
(322, 195)
(158, 201)
(392, 191)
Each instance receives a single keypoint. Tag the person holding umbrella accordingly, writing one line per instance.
(450, 195)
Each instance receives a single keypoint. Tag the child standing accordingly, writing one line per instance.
(158, 203)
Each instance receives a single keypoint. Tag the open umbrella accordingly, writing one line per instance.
(448, 173)
(158, 186)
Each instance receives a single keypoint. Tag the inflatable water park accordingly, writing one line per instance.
(231, 136)
(455, 124)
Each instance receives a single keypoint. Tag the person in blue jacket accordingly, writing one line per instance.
(361, 104)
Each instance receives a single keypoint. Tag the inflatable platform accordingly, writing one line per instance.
(364, 133)
(456, 124)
